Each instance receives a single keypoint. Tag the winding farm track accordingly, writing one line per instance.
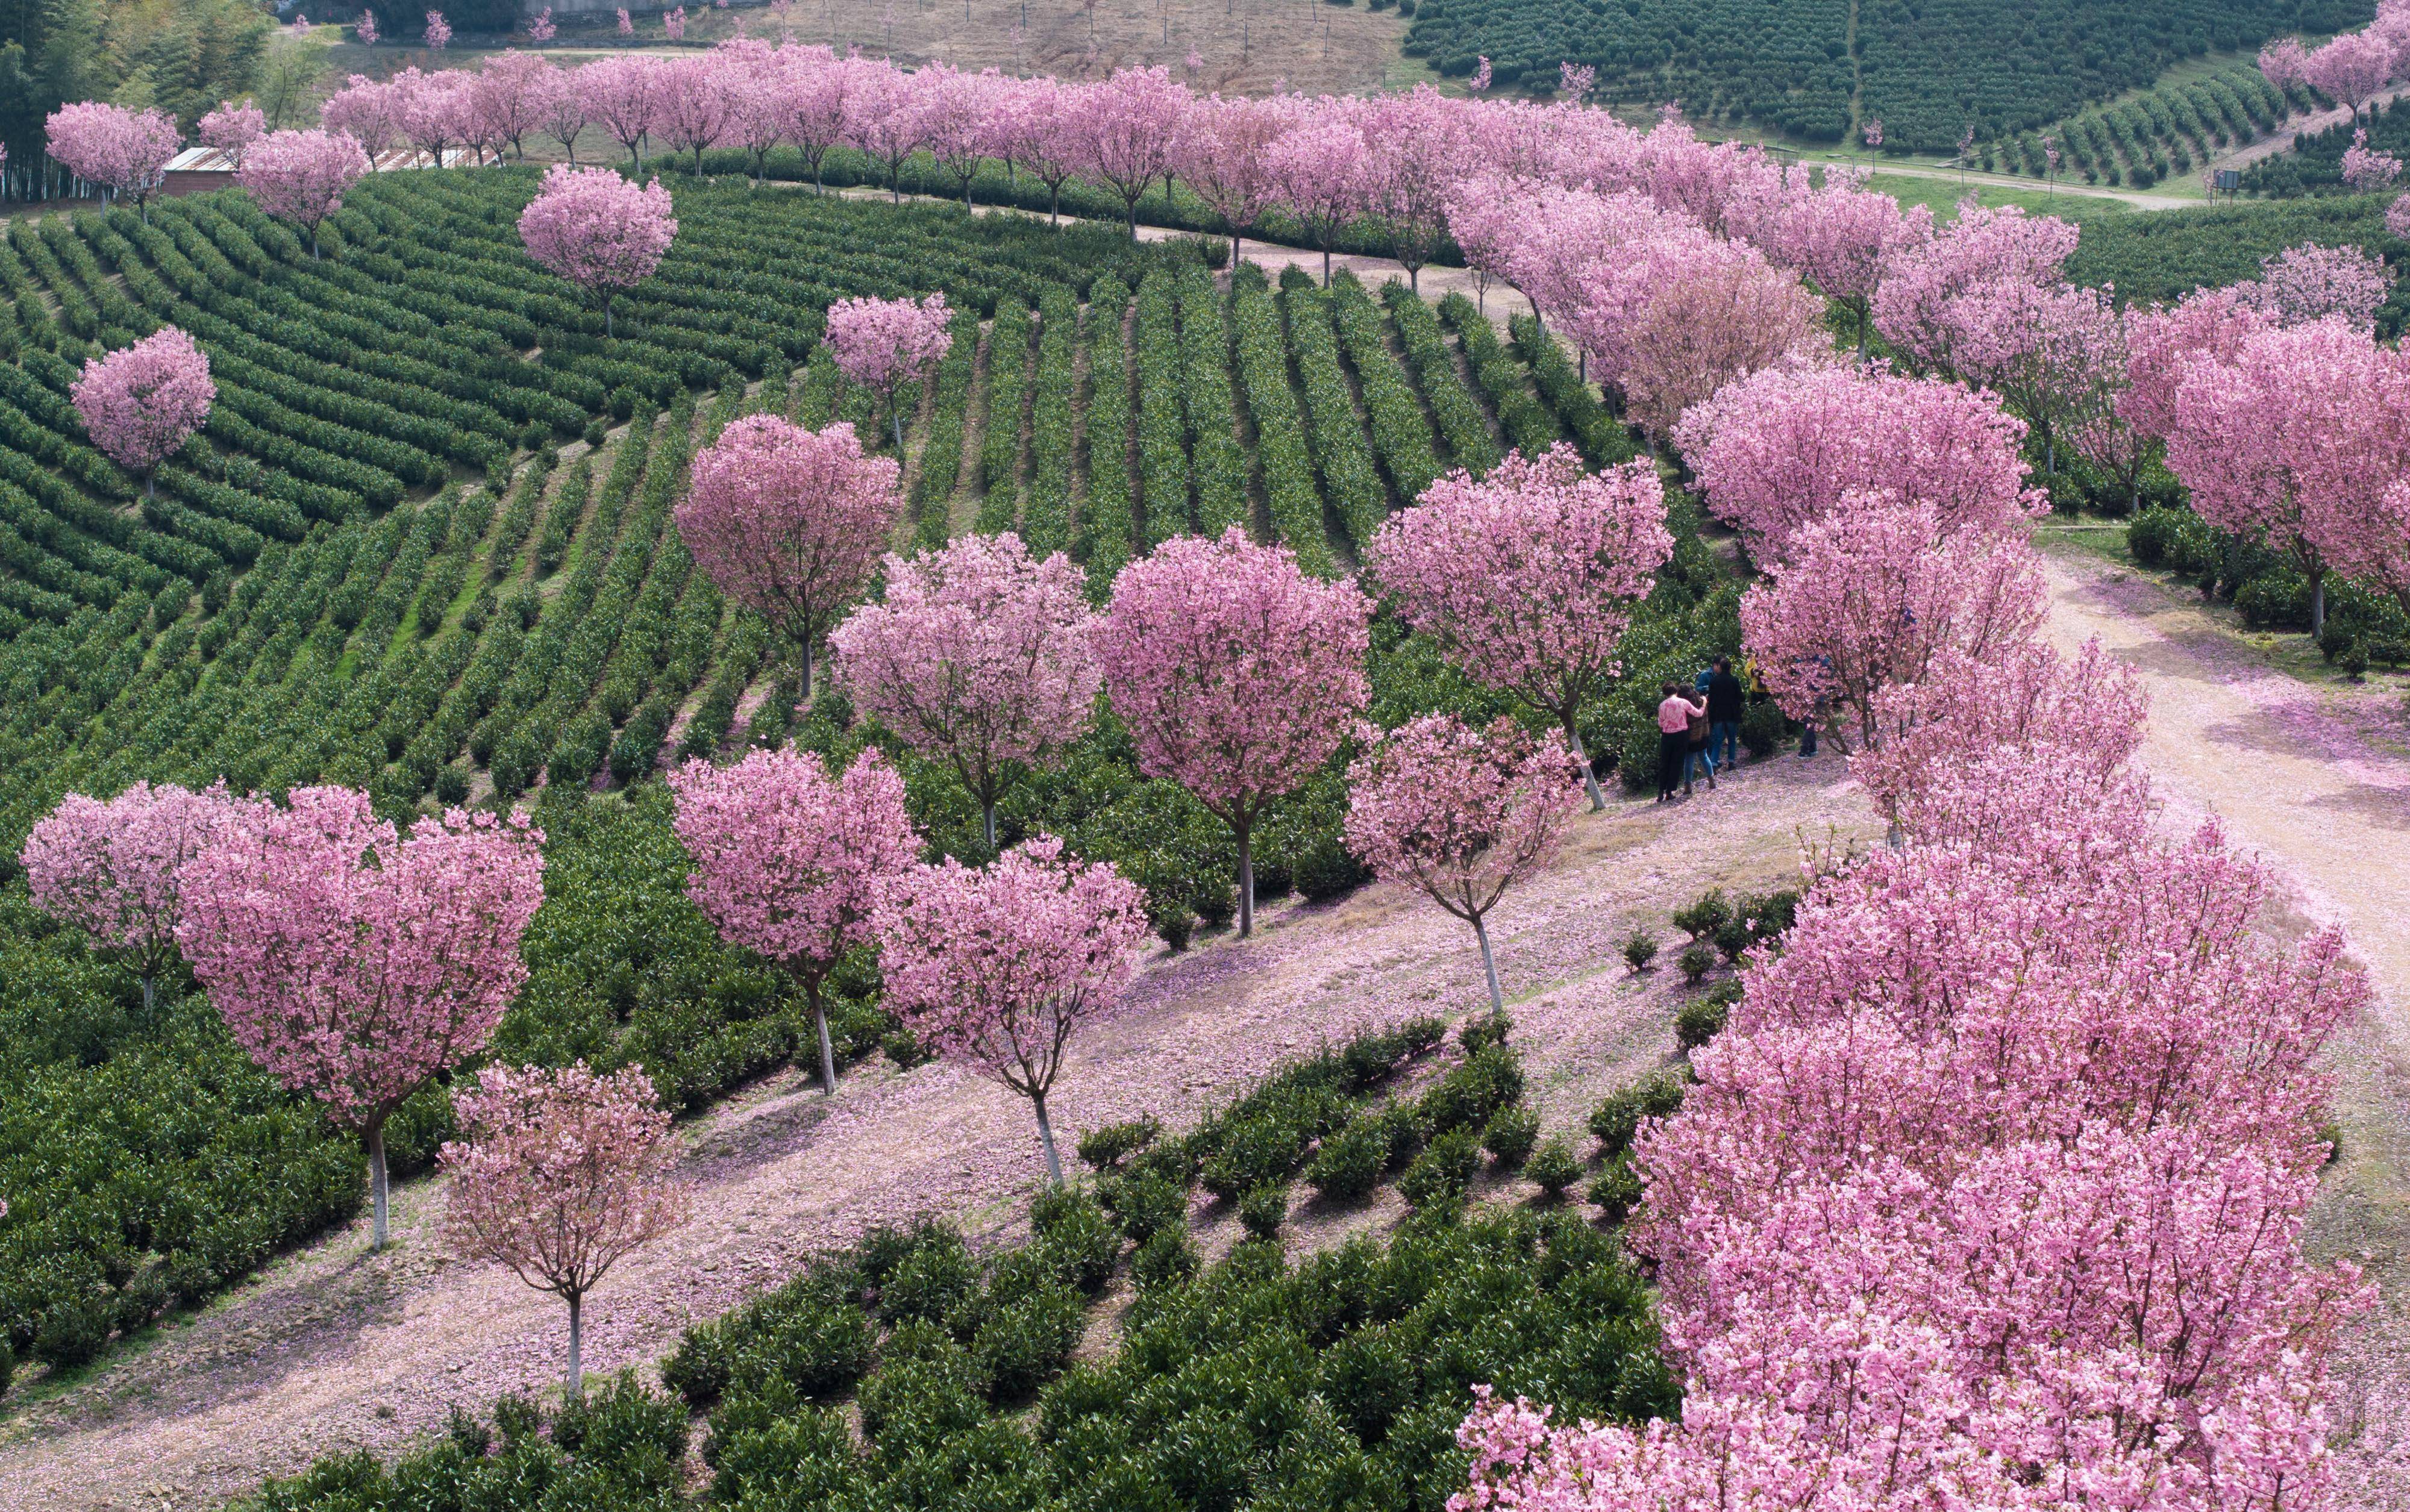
(332, 1349)
(2317, 782)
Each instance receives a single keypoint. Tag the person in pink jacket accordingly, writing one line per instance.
(1674, 717)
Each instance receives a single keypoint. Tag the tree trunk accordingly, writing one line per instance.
(1488, 965)
(2318, 603)
(1415, 281)
(895, 422)
(151, 490)
(380, 1234)
(987, 814)
(606, 316)
(1246, 881)
(1234, 255)
(1046, 1138)
(805, 658)
(1054, 204)
(147, 997)
(820, 1024)
(1326, 264)
(576, 1348)
(1589, 778)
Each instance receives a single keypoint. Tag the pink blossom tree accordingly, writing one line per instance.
(2291, 438)
(1037, 128)
(1780, 448)
(1320, 168)
(434, 111)
(674, 24)
(1871, 596)
(788, 859)
(958, 110)
(754, 84)
(1128, 128)
(355, 964)
(2365, 171)
(886, 117)
(1418, 146)
(439, 31)
(1528, 577)
(2350, 70)
(141, 403)
(622, 95)
(692, 106)
(810, 99)
(2283, 63)
(368, 111)
(999, 967)
(232, 127)
(1838, 236)
(882, 345)
(1462, 814)
(2162, 342)
(2311, 283)
(2053, 352)
(790, 522)
(564, 112)
(980, 656)
(1720, 313)
(365, 30)
(558, 1176)
(541, 28)
(2397, 218)
(514, 95)
(301, 176)
(116, 869)
(1237, 674)
(598, 230)
(118, 149)
(1924, 278)
(1225, 157)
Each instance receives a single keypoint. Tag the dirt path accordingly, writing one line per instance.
(2317, 781)
(2288, 132)
(332, 1349)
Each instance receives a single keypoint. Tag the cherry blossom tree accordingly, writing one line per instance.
(2364, 171)
(1528, 577)
(564, 112)
(598, 230)
(116, 869)
(2351, 69)
(1320, 167)
(141, 403)
(1462, 814)
(1127, 129)
(514, 94)
(885, 116)
(365, 30)
(999, 967)
(2053, 352)
(2161, 343)
(622, 96)
(1838, 237)
(882, 345)
(810, 99)
(301, 176)
(1038, 129)
(1780, 448)
(367, 110)
(790, 522)
(232, 127)
(355, 964)
(2311, 283)
(1720, 313)
(2397, 218)
(1418, 146)
(980, 656)
(2283, 63)
(2294, 436)
(1869, 597)
(434, 111)
(541, 28)
(119, 149)
(693, 107)
(754, 83)
(1924, 278)
(1225, 157)
(558, 1176)
(439, 31)
(958, 108)
(788, 859)
(1237, 674)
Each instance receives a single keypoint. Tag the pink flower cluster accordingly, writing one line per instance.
(2365, 171)
(980, 656)
(232, 127)
(108, 145)
(141, 403)
(301, 176)
(598, 230)
(998, 966)
(1991, 1193)
(2312, 283)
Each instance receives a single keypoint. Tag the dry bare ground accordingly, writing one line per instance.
(334, 1348)
(2316, 779)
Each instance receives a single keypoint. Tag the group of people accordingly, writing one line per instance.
(1699, 731)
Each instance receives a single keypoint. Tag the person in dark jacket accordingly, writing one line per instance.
(1725, 700)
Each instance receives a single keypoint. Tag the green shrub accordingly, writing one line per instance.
(1617, 1191)
(1349, 1163)
(937, 1277)
(1468, 1097)
(1701, 1020)
(1553, 1168)
(1639, 951)
(1075, 1237)
(927, 1387)
(1482, 1030)
(1703, 918)
(1440, 1174)
(1510, 1137)
(1167, 1259)
(1144, 1204)
(1106, 1148)
(1025, 1342)
(1695, 962)
(1618, 1116)
(1263, 1211)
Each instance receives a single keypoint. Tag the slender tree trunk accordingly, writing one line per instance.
(576, 1347)
(805, 658)
(1488, 965)
(151, 490)
(820, 1024)
(1590, 777)
(380, 1234)
(148, 997)
(1234, 253)
(1326, 264)
(987, 814)
(606, 316)
(1415, 281)
(1133, 222)
(818, 188)
(895, 422)
(1246, 880)
(1046, 1138)
(2318, 603)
